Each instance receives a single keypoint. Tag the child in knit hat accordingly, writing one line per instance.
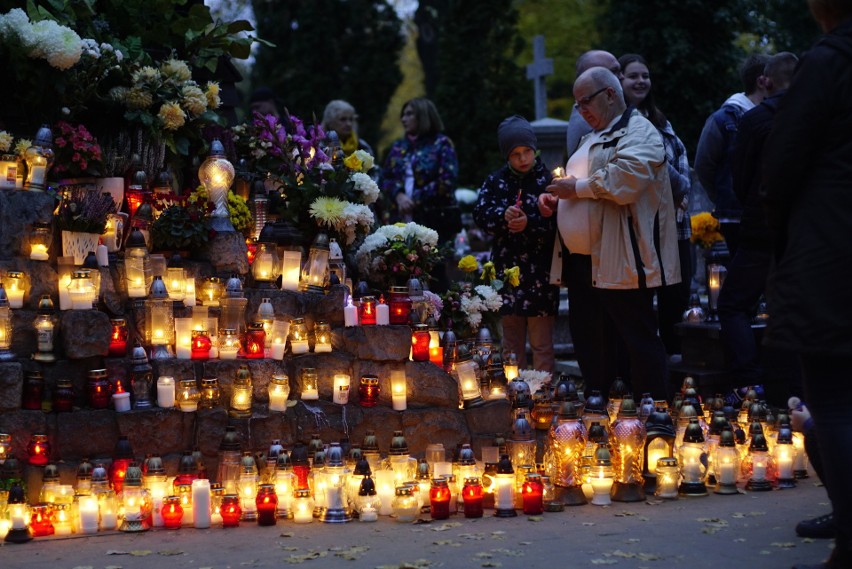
(507, 209)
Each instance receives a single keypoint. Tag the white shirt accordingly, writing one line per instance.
(572, 216)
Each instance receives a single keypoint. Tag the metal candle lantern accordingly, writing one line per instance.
(566, 445)
(159, 319)
(136, 501)
(247, 485)
(241, 394)
(692, 455)
(266, 267)
(464, 372)
(336, 508)
(41, 237)
(39, 158)
(5, 327)
(45, 327)
(760, 464)
(726, 463)
(285, 484)
(600, 476)
(232, 306)
(141, 376)
(659, 443)
(314, 276)
(784, 454)
(628, 441)
(504, 491)
(217, 174)
(137, 265)
(266, 315)
(716, 273)
(521, 446)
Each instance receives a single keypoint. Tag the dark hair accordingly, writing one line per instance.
(751, 69)
(647, 106)
(428, 120)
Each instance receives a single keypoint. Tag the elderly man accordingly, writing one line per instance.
(619, 171)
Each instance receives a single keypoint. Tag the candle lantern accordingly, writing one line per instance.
(464, 372)
(315, 270)
(532, 494)
(188, 395)
(137, 265)
(267, 505)
(521, 446)
(266, 315)
(5, 327)
(399, 304)
(336, 508)
(176, 278)
(266, 267)
(41, 237)
(542, 412)
(247, 486)
(727, 463)
(336, 264)
(39, 158)
(159, 319)
(41, 520)
(241, 395)
(98, 389)
(172, 512)
(45, 326)
(232, 313)
(212, 290)
(600, 476)
(303, 506)
(254, 347)
(141, 376)
(229, 460)
(121, 459)
(692, 455)
(464, 464)
(595, 411)
(279, 392)
(285, 484)
(291, 263)
(566, 445)
(472, 498)
(399, 460)
(200, 345)
(322, 336)
(308, 384)
(784, 454)
(17, 284)
(617, 392)
(301, 465)
(518, 392)
(81, 290)
(716, 273)
(231, 511)
(38, 450)
(118, 338)
(399, 389)
(504, 489)
(136, 501)
(367, 310)
(368, 501)
(420, 340)
(5, 447)
(217, 174)
(659, 443)
(666, 477)
(50, 484)
(211, 394)
(510, 366)
(368, 391)
(628, 441)
(298, 336)
(341, 388)
(259, 210)
(439, 499)
(405, 505)
(18, 513)
(229, 344)
(759, 464)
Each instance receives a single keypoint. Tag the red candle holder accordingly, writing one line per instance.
(98, 389)
(255, 341)
(63, 396)
(368, 391)
(118, 338)
(367, 311)
(420, 343)
(472, 497)
(399, 304)
(439, 499)
(267, 505)
(231, 511)
(33, 391)
(41, 520)
(38, 450)
(532, 493)
(172, 512)
(200, 345)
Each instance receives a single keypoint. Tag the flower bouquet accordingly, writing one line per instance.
(77, 153)
(238, 210)
(315, 188)
(705, 229)
(394, 253)
(82, 217)
(181, 224)
(468, 305)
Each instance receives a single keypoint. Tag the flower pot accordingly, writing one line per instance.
(113, 186)
(78, 244)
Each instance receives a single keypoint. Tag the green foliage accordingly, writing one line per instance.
(330, 49)
(690, 48)
(479, 83)
(784, 25)
(181, 225)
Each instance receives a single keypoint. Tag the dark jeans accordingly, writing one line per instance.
(744, 283)
(730, 230)
(672, 300)
(828, 394)
(632, 313)
(592, 331)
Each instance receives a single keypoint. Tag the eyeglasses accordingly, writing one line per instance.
(584, 102)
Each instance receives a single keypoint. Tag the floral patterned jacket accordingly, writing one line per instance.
(529, 249)
(435, 168)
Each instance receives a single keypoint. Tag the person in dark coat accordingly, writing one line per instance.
(807, 181)
(508, 209)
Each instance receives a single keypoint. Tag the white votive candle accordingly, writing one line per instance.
(166, 391)
(201, 503)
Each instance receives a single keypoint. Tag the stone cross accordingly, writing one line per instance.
(540, 68)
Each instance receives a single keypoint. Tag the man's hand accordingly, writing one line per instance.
(516, 218)
(563, 188)
(547, 204)
(404, 203)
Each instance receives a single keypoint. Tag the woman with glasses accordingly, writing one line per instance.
(672, 300)
(340, 117)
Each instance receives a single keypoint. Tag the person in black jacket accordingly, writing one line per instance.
(749, 268)
(807, 181)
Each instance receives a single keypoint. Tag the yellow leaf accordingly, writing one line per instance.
(169, 552)
(534, 518)
(140, 552)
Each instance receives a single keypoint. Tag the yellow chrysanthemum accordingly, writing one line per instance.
(146, 74)
(468, 264)
(353, 162)
(5, 141)
(513, 276)
(22, 145)
(489, 273)
(328, 210)
(177, 70)
(212, 94)
(194, 100)
(172, 116)
(138, 98)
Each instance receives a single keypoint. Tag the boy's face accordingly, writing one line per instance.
(522, 158)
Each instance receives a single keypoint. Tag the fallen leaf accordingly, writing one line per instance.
(447, 542)
(287, 534)
(169, 552)
(510, 552)
(633, 540)
(649, 556)
(140, 552)
(737, 515)
(116, 552)
(619, 553)
(807, 540)
(484, 555)
(535, 518)
(525, 543)
(604, 561)
(588, 523)
(765, 552)
(492, 564)
(83, 567)
(784, 545)
(740, 540)
(446, 525)
(120, 567)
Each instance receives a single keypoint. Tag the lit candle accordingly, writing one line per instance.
(39, 253)
(201, 517)
(310, 393)
(759, 470)
(5, 526)
(601, 487)
(88, 507)
(61, 520)
(350, 314)
(385, 491)
(299, 346)
(102, 255)
(726, 473)
(15, 294)
(189, 291)
(341, 389)
(166, 391)
(109, 518)
(398, 390)
(64, 294)
(277, 350)
(291, 262)
(559, 172)
(303, 512)
(121, 401)
(382, 313)
(436, 355)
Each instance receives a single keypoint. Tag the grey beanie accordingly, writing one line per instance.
(513, 132)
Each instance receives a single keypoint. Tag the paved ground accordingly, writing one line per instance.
(753, 531)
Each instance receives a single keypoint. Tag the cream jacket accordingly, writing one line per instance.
(632, 218)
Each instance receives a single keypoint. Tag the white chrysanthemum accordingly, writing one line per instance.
(367, 160)
(118, 94)
(193, 100)
(367, 186)
(176, 70)
(16, 23)
(423, 234)
(474, 319)
(490, 297)
(355, 216)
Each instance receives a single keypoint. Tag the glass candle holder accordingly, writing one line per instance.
(98, 389)
(211, 394)
(200, 345)
(241, 394)
(172, 512)
(266, 265)
(368, 391)
(212, 290)
(188, 395)
(229, 344)
(231, 511)
(399, 389)
(668, 476)
(298, 336)
(41, 237)
(532, 495)
(399, 304)
(291, 264)
(367, 310)
(420, 340)
(165, 392)
(81, 290)
(267, 505)
(17, 284)
(279, 392)
(309, 384)
(255, 343)
(38, 450)
(341, 388)
(276, 340)
(322, 336)
(118, 338)
(439, 499)
(41, 520)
